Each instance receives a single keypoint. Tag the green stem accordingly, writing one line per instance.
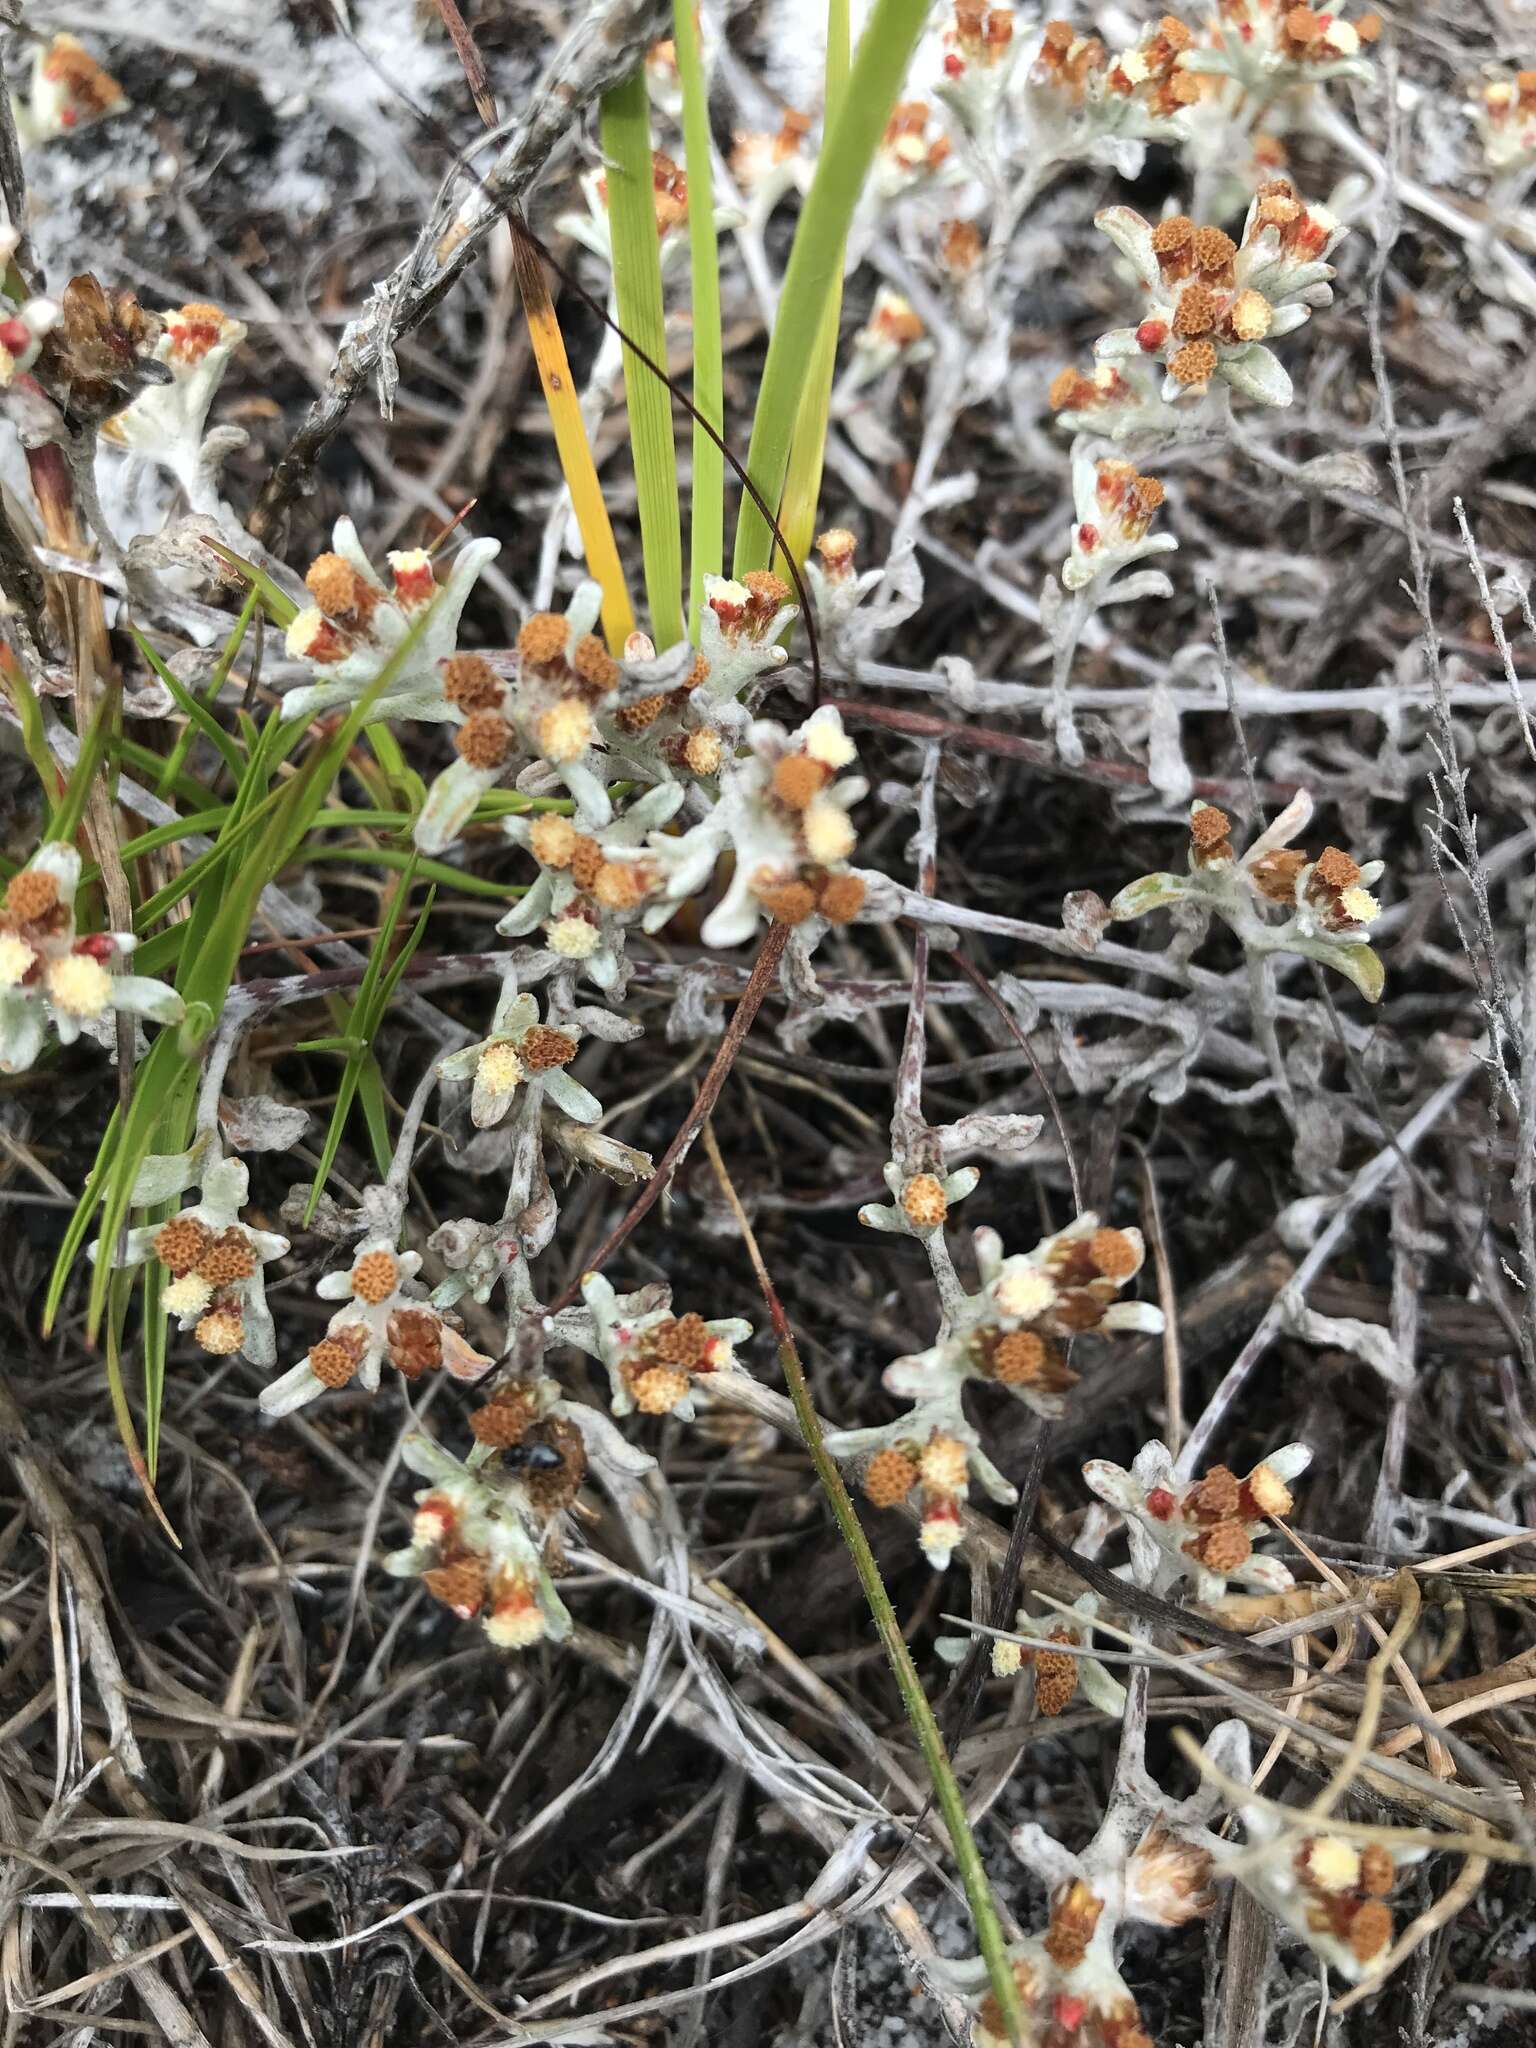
(816, 259)
(706, 536)
(626, 135)
(946, 1787)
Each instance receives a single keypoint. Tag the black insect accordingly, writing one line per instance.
(532, 1458)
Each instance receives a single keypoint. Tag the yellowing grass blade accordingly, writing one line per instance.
(572, 445)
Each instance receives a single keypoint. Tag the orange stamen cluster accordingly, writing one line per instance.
(413, 1338)
(907, 139)
(193, 331)
(1346, 1893)
(792, 899)
(659, 1368)
(1151, 71)
(1074, 391)
(336, 1357)
(1067, 61)
(981, 35)
(92, 90)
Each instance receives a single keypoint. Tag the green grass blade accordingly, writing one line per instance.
(626, 135)
(65, 822)
(706, 531)
(807, 452)
(194, 714)
(178, 754)
(816, 259)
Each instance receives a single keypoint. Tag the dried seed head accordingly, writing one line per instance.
(1114, 1254)
(460, 1585)
(1335, 869)
(1055, 1682)
(1378, 1873)
(659, 1388)
(788, 902)
(228, 1259)
(1007, 1658)
(337, 587)
(221, 1330)
(413, 1338)
(620, 885)
(552, 840)
(836, 548)
(682, 1340)
(841, 898)
(1075, 1914)
(943, 1464)
(594, 664)
(542, 639)
(180, 1243)
(375, 1276)
(470, 683)
(334, 1360)
(1274, 874)
(505, 1418)
(924, 1201)
(1370, 1930)
(768, 591)
(641, 714)
(484, 740)
(1197, 310)
(704, 751)
(566, 730)
(1173, 238)
(544, 1047)
(1217, 1498)
(1224, 1547)
(30, 895)
(1194, 363)
(797, 778)
(585, 862)
(1268, 1492)
(1019, 1358)
(1213, 250)
(889, 1477)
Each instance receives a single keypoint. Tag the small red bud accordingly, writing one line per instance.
(953, 66)
(1151, 335)
(1087, 538)
(1161, 1504)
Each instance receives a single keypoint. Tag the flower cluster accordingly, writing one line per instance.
(1269, 46)
(1327, 1888)
(211, 1265)
(1050, 1655)
(1081, 102)
(1013, 1331)
(1506, 121)
(24, 328)
(384, 1318)
(912, 151)
(1213, 302)
(652, 1356)
(166, 422)
(521, 1053)
(481, 1531)
(669, 188)
(783, 809)
(357, 626)
(590, 887)
(69, 90)
(52, 974)
(1202, 1530)
(766, 166)
(1327, 900)
(1115, 508)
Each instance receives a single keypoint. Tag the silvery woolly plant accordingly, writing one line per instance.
(1274, 897)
